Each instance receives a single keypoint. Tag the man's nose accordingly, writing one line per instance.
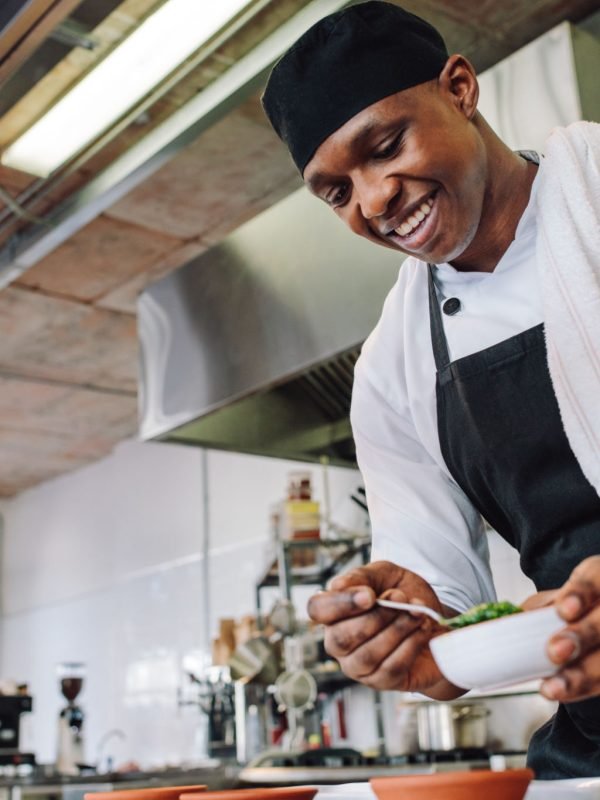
(374, 197)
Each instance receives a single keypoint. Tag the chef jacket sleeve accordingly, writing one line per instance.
(420, 518)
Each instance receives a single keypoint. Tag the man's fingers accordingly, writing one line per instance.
(577, 640)
(355, 637)
(330, 607)
(399, 596)
(346, 636)
(575, 682)
(398, 670)
(366, 659)
(539, 600)
(385, 648)
(582, 591)
(355, 577)
(379, 575)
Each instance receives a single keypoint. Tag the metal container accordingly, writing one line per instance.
(449, 726)
(255, 660)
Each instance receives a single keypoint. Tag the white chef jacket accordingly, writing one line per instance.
(420, 517)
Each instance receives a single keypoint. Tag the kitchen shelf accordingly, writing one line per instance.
(332, 555)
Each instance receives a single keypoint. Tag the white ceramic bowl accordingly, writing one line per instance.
(499, 652)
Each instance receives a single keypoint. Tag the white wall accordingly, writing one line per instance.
(104, 566)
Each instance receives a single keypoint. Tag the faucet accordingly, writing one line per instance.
(113, 733)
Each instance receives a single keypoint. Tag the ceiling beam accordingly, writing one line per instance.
(27, 247)
(30, 26)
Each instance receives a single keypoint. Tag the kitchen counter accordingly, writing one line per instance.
(214, 774)
(284, 776)
(222, 776)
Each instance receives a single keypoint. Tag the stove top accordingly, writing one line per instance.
(348, 757)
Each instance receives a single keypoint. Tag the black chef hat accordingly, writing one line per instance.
(344, 63)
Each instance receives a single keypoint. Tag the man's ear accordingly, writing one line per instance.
(459, 82)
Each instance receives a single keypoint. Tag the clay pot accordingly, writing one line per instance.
(509, 785)
(280, 793)
(153, 793)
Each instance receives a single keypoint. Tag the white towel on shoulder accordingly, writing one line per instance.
(568, 250)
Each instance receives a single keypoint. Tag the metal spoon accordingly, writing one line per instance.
(480, 613)
(415, 607)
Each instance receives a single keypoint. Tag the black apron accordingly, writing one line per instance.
(502, 439)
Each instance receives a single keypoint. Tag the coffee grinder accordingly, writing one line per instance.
(70, 753)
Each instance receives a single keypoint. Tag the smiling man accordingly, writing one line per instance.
(454, 411)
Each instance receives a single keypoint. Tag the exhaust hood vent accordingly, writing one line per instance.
(252, 346)
(303, 418)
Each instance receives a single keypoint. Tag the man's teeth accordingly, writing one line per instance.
(415, 219)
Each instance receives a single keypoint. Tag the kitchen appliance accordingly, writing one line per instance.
(216, 699)
(71, 744)
(11, 708)
(272, 319)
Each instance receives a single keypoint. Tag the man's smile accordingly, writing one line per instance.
(414, 227)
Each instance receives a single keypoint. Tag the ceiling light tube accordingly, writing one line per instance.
(144, 59)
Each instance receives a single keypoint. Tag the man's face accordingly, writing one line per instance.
(408, 172)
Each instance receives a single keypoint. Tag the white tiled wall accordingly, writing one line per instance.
(105, 566)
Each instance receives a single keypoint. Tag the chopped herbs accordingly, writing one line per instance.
(482, 613)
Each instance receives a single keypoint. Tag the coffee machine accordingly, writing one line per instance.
(11, 708)
(71, 744)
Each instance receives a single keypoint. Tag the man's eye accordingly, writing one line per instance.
(337, 196)
(389, 149)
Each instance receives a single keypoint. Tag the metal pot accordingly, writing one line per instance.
(448, 726)
(255, 660)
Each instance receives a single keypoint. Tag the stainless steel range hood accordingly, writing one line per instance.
(251, 346)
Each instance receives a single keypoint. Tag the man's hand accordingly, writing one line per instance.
(539, 600)
(380, 647)
(577, 647)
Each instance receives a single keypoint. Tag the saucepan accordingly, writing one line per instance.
(448, 726)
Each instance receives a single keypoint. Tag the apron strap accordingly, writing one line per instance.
(438, 337)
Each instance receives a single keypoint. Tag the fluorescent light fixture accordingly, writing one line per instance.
(122, 79)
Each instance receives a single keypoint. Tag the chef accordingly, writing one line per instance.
(454, 412)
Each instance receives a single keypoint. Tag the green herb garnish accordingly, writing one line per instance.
(482, 613)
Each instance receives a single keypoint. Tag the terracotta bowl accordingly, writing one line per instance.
(154, 793)
(280, 793)
(477, 785)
